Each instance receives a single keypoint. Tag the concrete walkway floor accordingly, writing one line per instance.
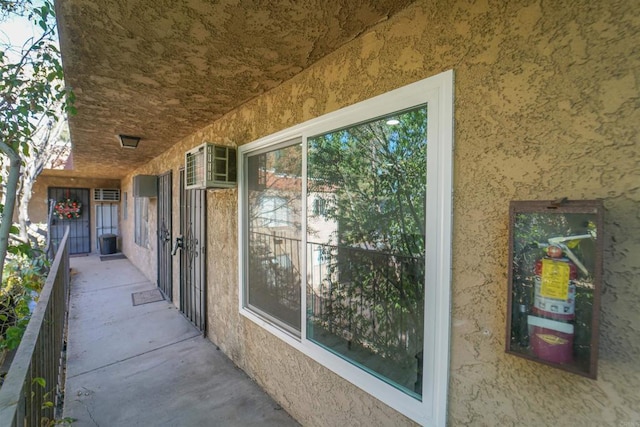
(146, 365)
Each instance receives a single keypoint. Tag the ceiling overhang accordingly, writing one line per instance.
(161, 70)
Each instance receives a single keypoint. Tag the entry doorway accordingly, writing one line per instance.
(106, 221)
(165, 261)
(193, 256)
(78, 218)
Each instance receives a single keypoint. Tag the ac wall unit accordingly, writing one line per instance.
(210, 166)
(106, 195)
(145, 186)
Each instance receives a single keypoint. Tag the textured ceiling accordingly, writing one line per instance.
(161, 69)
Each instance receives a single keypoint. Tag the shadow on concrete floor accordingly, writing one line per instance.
(146, 365)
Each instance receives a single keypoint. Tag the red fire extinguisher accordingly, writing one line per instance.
(555, 286)
(550, 323)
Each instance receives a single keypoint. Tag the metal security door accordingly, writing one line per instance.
(193, 259)
(78, 219)
(106, 221)
(165, 263)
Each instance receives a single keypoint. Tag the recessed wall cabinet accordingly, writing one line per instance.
(555, 282)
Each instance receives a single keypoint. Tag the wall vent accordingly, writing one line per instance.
(210, 166)
(106, 195)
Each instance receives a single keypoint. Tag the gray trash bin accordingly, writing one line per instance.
(108, 244)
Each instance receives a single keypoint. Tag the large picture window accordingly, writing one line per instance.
(345, 242)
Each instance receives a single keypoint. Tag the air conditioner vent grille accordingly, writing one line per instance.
(210, 166)
(106, 195)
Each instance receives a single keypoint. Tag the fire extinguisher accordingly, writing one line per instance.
(555, 286)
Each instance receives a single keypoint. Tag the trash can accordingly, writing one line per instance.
(108, 244)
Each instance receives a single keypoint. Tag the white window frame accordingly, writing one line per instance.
(437, 93)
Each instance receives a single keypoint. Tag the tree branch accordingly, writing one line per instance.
(10, 199)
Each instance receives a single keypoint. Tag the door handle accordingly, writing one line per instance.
(177, 245)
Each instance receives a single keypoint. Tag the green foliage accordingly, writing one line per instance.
(374, 176)
(31, 91)
(48, 406)
(31, 80)
(377, 174)
(24, 277)
(66, 421)
(40, 381)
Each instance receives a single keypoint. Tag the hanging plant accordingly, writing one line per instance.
(68, 209)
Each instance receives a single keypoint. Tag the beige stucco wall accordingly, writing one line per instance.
(39, 205)
(547, 105)
(145, 258)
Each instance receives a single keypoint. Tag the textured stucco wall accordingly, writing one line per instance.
(38, 208)
(547, 105)
(145, 258)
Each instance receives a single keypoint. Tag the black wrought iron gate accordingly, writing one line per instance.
(165, 264)
(78, 219)
(193, 258)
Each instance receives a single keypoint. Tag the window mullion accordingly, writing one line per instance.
(304, 256)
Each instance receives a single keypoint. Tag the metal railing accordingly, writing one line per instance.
(277, 258)
(29, 392)
(366, 295)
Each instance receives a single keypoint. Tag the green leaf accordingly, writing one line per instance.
(13, 336)
(21, 249)
(40, 381)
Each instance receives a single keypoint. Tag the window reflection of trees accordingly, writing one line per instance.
(368, 302)
(274, 199)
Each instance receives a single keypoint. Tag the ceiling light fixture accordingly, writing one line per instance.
(393, 122)
(128, 141)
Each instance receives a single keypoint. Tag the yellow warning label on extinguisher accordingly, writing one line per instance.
(552, 339)
(555, 279)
